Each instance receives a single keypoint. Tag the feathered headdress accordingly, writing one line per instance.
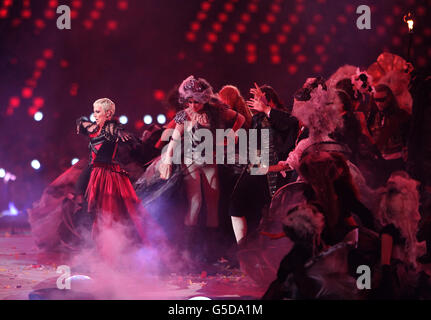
(197, 89)
(400, 206)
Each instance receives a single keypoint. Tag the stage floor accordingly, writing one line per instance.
(23, 270)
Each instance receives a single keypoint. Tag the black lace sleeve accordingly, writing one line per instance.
(180, 117)
(85, 126)
(113, 130)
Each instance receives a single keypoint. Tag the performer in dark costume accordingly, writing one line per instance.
(203, 112)
(310, 270)
(400, 276)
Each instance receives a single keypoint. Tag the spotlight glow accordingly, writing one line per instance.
(161, 119)
(35, 164)
(148, 119)
(92, 118)
(74, 161)
(38, 116)
(2, 173)
(123, 120)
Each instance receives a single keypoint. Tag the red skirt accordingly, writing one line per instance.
(112, 197)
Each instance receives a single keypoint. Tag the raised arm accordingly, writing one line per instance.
(85, 126)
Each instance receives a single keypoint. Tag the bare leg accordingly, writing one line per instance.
(194, 195)
(239, 225)
(211, 193)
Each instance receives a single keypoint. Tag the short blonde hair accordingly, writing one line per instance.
(106, 104)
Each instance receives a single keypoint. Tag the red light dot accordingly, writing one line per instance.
(389, 20)
(271, 18)
(281, 38)
(195, 26)
(223, 17)
(7, 3)
(301, 58)
(26, 14)
(333, 29)
(251, 58)
(74, 14)
(311, 29)
(275, 8)
(76, 4)
(245, 17)
(112, 25)
(159, 95)
(251, 47)
(38, 102)
(64, 63)
(229, 48)
(99, 4)
(264, 28)
(13, 61)
(317, 18)
(320, 49)
(381, 31)
(16, 22)
(396, 41)
(48, 54)
(293, 19)
(217, 27)
(3, 13)
(37, 74)
(53, 3)
(427, 32)
(397, 10)
(95, 15)
(296, 48)
(139, 124)
(292, 69)
(252, 7)
(300, 8)
(273, 48)
(123, 5)
(40, 64)
(275, 59)
(49, 14)
(201, 16)
(421, 10)
(342, 19)
(14, 102)
(229, 7)
(212, 37)
(418, 40)
(207, 47)
(39, 23)
(240, 27)
(181, 55)
(422, 61)
(317, 68)
(74, 89)
(27, 93)
(286, 28)
(205, 6)
(350, 8)
(190, 36)
(31, 111)
(234, 37)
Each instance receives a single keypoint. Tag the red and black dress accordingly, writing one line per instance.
(109, 192)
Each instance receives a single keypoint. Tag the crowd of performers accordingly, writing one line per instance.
(348, 185)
